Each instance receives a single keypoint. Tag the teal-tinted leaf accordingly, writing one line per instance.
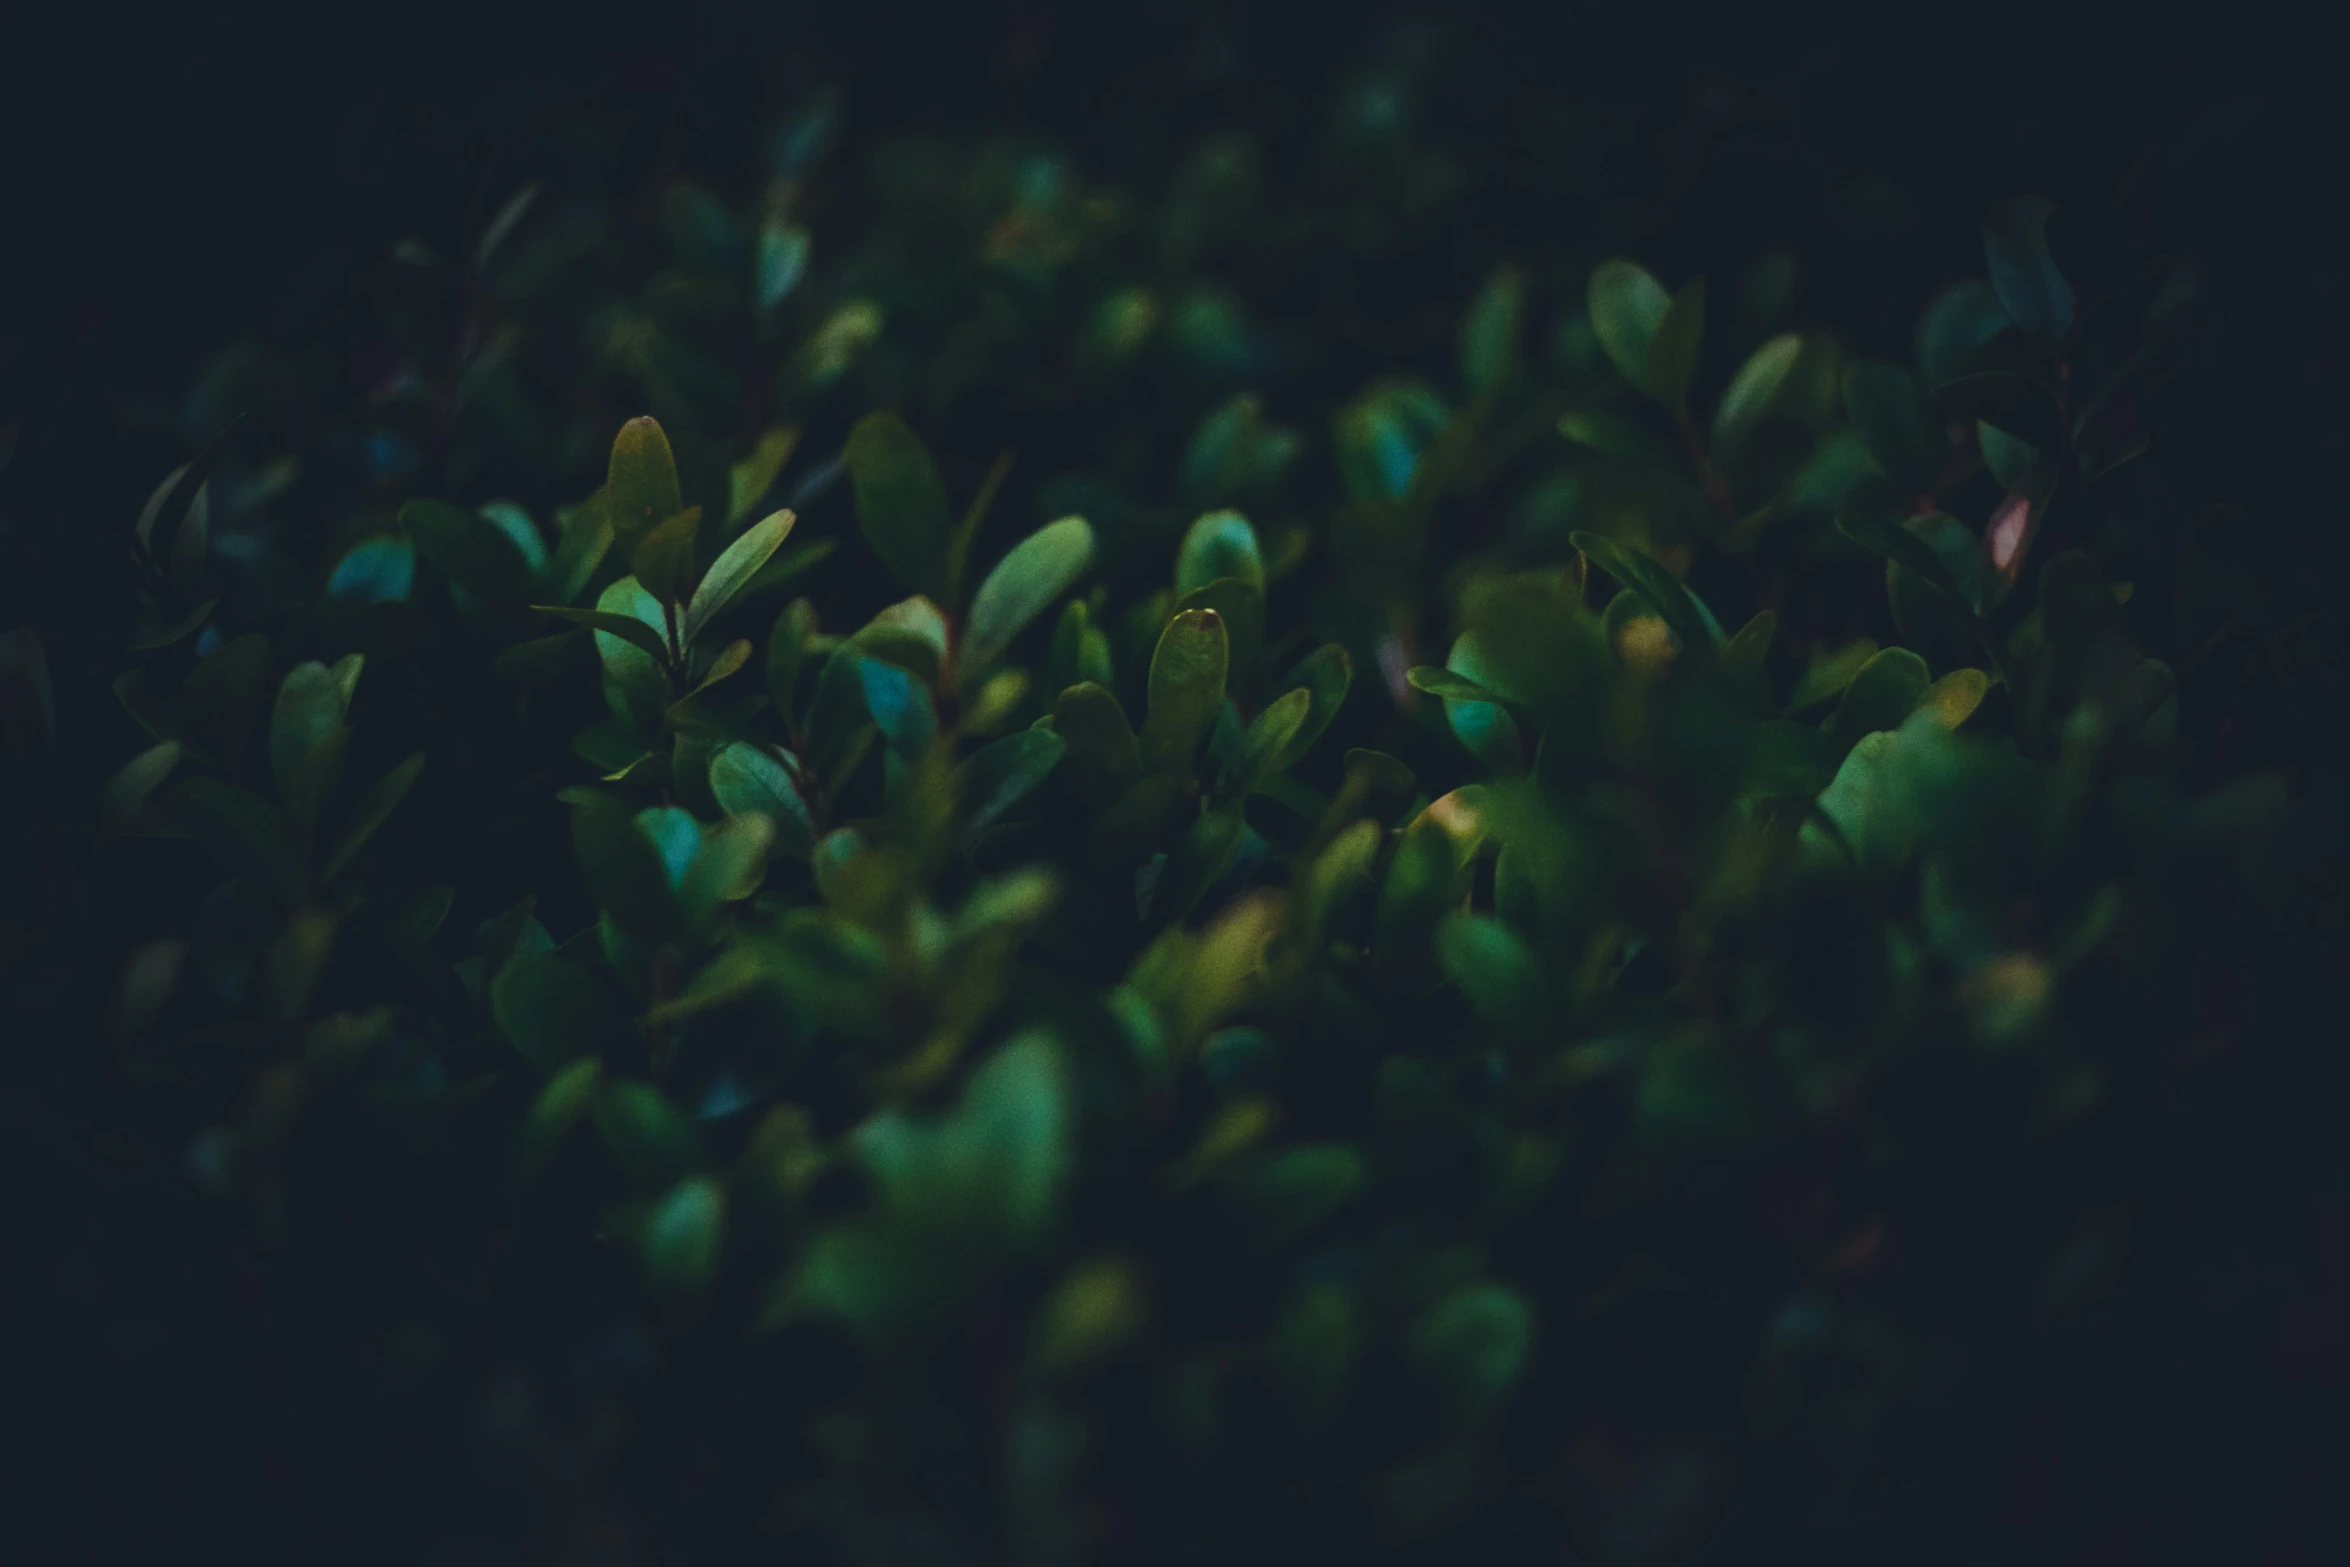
(663, 560)
(2010, 459)
(245, 832)
(1038, 571)
(1627, 308)
(375, 807)
(1219, 544)
(2031, 290)
(640, 486)
(472, 554)
(1186, 689)
(651, 1139)
(911, 634)
(130, 789)
(1475, 1343)
(1489, 334)
(783, 261)
(1002, 773)
(901, 707)
(1882, 694)
(745, 778)
(1264, 744)
(1383, 436)
(1683, 614)
(1889, 409)
(676, 838)
(1103, 756)
(374, 571)
(514, 523)
(1754, 388)
(1326, 675)
(901, 502)
(550, 1119)
(553, 1010)
(1492, 964)
(734, 568)
(1472, 710)
(684, 1235)
(1672, 356)
(1962, 318)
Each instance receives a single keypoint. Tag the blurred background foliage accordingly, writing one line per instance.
(1659, 881)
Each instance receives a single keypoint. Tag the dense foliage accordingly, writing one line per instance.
(806, 834)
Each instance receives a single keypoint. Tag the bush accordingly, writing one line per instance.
(1590, 940)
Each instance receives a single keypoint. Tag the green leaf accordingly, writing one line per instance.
(901, 707)
(1473, 711)
(1489, 334)
(1628, 308)
(1491, 964)
(1882, 694)
(640, 486)
(1962, 318)
(551, 1117)
(1829, 672)
(623, 869)
(221, 700)
(684, 1235)
(473, 554)
(1439, 681)
(135, 784)
(1475, 1343)
(1039, 570)
(1687, 618)
(663, 560)
(1904, 548)
(1754, 388)
(911, 634)
(2031, 290)
(585, 538)
(245, 832)
(787, 652)
(901, 502)
(745, 778)
(1672, 355)
(1103, 756)
(652, 1140)
(734, 568)
(1267, 741)
(1186, 689)
(1954, 698)
(729, 862)
(308, 716)
(1788, 761)
(749, 481)
(1326, 674)
(2009, 458)
(1890, 411)
(1002, 773)
(628, 628)
(552, 1009)
(1241, 607)
(375, 807)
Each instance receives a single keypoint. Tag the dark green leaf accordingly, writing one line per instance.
(221, 700)
(1754, 388)
(1268, 739)
(245, 832)
(2031, 290)
(1890, 411)
(734, 569)
(628, 628)
(1326, 674)
(1884, 692)
(640, 486)
(749, 481)
(1627, 308)
(1439, 681)
(1002, 773)
(663, 560)
(901, 502)
(1688, 619)
(1039, 570)
(1489, 334)
(550, 1119)
(1186, 689)
(744, 777)
(552, 1009)
(375, 807)
(651, 1139)
(1962, 318)
(1104, 757)
(623, 869)
(684, 1235)
(1672, 356)
(469, 551)
(130, 789)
